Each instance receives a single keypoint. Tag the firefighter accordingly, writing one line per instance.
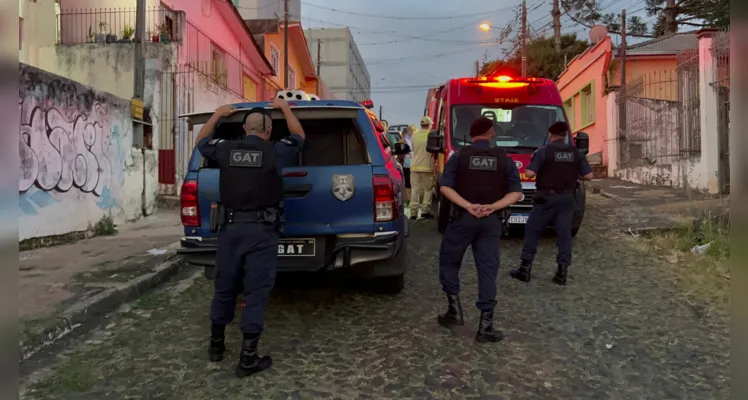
(557, 166)
(480, 180)
(421, 172)
(251, 190)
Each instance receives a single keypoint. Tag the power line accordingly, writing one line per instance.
(408, 18)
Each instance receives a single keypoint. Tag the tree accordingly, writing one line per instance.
(543, 61)
(692, 13)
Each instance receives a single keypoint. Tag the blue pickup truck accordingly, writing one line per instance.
(343, 196)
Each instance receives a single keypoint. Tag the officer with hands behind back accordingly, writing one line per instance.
(557, 166)
(251, 191)
(479, 180)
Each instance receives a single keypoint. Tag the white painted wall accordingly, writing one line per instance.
(38, 28)
(700, 172)
(77, 160)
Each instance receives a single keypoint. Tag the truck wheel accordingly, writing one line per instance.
(387, 284)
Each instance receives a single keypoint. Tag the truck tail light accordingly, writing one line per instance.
(189, 205)
(385, 203)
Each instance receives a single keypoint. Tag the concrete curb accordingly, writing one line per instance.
(94, 307)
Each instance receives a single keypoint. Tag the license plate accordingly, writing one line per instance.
(518, 219)
(296, 248)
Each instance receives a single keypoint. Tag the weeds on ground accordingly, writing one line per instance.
(707, 271)
(105, 227)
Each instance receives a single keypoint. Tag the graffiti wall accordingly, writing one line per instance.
(77, 160)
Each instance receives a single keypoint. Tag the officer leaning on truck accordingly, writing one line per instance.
(557, 165)
(251, 191)
(480, 181)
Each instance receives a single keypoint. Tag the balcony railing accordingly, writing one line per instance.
(117, 25)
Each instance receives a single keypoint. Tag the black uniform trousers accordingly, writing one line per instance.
(483, 235)
(558, 210)
(247, 251)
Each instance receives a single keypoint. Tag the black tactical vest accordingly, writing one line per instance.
(482, 174)
(560, 169)
(249, 179)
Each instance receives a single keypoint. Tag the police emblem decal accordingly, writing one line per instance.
(518, 164)
(343, 187)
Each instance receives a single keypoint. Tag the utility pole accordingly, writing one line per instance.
(319, 62)
(523, 38)
(139, 89)
(477, 68)
(380, 113)
(670, 25)
(556, 13)
(285, 44)
(622, 94)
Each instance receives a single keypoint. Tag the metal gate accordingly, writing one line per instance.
(721, 84)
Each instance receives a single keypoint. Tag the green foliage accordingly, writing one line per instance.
(105, 227)
(543, 60)
(687, 15)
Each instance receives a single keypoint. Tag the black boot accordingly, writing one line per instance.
(486, 332)
(249, 362)
(217, 346)
(427, 216)
(453, 316)
(560, 277)
(523, 273)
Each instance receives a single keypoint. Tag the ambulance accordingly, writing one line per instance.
(523, 109)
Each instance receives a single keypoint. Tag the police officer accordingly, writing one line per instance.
(557, 166)
(251, 190)
(479, 180)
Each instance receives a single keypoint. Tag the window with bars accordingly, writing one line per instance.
(275, 59)
(218, 65)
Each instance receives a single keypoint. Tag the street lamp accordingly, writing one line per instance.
(485, 27)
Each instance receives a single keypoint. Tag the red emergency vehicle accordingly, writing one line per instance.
(523, 109)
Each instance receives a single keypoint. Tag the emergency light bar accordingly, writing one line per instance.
(296, 95)
(368, 104)
(504, 81)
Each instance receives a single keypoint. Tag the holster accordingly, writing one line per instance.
(217, 217)
(504, 217)
(540, 197)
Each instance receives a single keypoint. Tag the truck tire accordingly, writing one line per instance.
(388, 277)
(387, 284)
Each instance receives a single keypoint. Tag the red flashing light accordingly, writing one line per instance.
(190, 209)
(368, 104)
(385, 204)
(503, 81)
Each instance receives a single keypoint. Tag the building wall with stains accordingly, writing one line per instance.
(77, 160)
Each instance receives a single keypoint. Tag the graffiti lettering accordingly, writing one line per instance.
(57, 154)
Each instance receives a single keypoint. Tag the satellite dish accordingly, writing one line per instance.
(598, 33)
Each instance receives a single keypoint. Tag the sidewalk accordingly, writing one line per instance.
(644, 208)
(64, 286)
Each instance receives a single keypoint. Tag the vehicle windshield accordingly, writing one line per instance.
(522, 127)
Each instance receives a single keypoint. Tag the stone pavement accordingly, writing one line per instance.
(643, 208)
(62, 286)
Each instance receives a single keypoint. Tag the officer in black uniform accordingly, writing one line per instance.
(251, 190)
(479, 180)
(557, 165)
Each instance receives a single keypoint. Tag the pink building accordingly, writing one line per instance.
(584, 88)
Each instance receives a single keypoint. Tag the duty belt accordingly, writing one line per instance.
(270, 216)
(556, 191)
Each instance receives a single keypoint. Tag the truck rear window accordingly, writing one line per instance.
(329, 141)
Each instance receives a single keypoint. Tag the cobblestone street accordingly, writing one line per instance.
(622, 329)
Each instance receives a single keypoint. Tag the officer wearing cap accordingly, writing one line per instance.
(251, 190)
(421, 172)
(557, 166)
(479, 180)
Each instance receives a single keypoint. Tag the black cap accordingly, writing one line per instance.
(559, 128)
(480, 126)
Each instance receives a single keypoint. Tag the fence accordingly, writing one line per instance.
(689, 122)
(116, 25)
(651, 115)
(720, 82)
